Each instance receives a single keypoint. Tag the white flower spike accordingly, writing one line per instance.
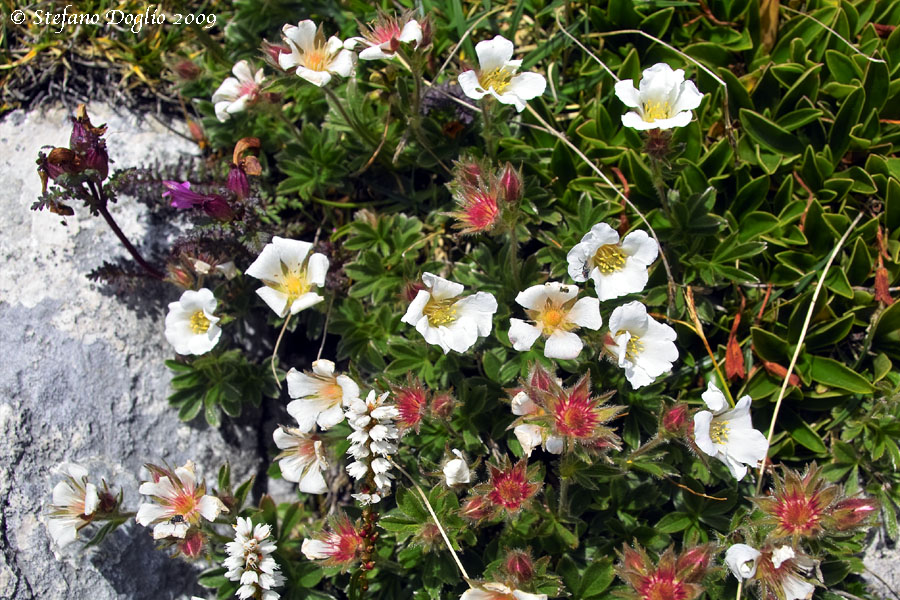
(250, 561)
(290, 275)
(497, 75)
(74, 503)
(448, 322)
(554, 313)
(238, 92)
(728, 435)
(302, 459)
(319, 396)
(190, 324)
(618, 267)
(664, 99)
(643, 346)
(314, 58)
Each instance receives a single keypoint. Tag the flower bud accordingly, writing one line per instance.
(853, 512)
(97, 159)
(511, 184)
(218, 208)
(476, 508)
(676, 421)
(412, 289)
(633, 560)
(187, 70)
(442, 405)
(238, 182)
(693, 563)
(192, 545)
(271, 52)
(519, 566)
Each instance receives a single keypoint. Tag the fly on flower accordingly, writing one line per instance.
(178, 502)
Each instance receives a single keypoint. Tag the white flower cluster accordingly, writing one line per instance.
(374, 440)
(250, 562)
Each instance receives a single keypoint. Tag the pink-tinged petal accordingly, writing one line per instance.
(228, 91)
(242, 71)
(468, 81)
(313, 482)
(586, 313)
(494, 54)
(187, 476)
(148, 513)
(563, 345)
(522, 335)
(283, 439)
(627, 93)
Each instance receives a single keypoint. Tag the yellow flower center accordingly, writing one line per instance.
(655, 110)
(199, 323)
(551, 318)
(294, 284)
(316, 59)
(440, 312)
(718, 432)
(496, 78)
(609, 258)
(634, 348)
(333, 391)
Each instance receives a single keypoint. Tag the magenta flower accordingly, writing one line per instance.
(182, 196)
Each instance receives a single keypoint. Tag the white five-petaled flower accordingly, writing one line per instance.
(319, 396)
(497, 75)
(302, 459)
(383, 38)
(663, 100)
(447, 321)
(794, 588)
(178, 502)
(250, 561)
(728, 435)
(236, 93)
(314, 58)
(742, 560)
(498, 591)
(555, 313)
(617, 267)
(290, 275)
(456, 471)
(74, 503)
(373, 441)
(190, 324)
(643, 346)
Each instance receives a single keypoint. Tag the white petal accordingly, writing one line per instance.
(317, 267)
(305, 301)
(375, 53)
(313, 482)
(315, 549)
(702, 421)
(742, 560)
(714, 398)
(779, 555)
(639, 246)
(529, 436)
(494, 54)
(276, 300)
(342, 63)
(442, 289)
(797, 589)
(318, 78)
(304, 34)
(267, 265)
(631, 317)
(470, 85)
(563, 345)
(627, 93)
(526, 85)
(330, 417)
(748, 446)
(522, 404)
(209, 507)
(522, 335)
(414, 311)
(689, 98)
(411, 32)
(586, 313)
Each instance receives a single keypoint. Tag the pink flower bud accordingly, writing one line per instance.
(853, 512)
(676, 420)
(519, 566)
(442, 405)
(238, 182)
(97, 159)
(218, 208)
(192, 545)
(511, 184)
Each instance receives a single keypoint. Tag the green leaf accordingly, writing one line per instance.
(845, 120)
(832, 373)
(768, 134)
(674, 522)
(802, 433)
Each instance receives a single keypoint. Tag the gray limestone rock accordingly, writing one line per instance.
(82, 376)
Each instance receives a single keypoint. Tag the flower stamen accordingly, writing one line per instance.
(440, 312)
(655, 110)
(718, 432)
(496, 78)
(199, 323)
(609, 258)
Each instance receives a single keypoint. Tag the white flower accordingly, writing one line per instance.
(742, 560)
(796, 589)
(190, 325)
(779, 555)
(664, 100)
(383, 38)
(530, 435)
(497, 75)
(290, 275)
(314, 58)
(447, 322)
(302, 459)
(644, 347)
(250, 561)
(498, 591)
(373, 441)
(179, 502)
(319, 396)
(617, 268)
(555, 313)
(456, 471)
(729, 435)
(74, 503)
(236, 93)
